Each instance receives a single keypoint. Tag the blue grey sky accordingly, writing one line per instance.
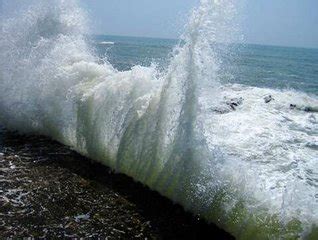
(282, 22)
(150, 18)
(273, 22)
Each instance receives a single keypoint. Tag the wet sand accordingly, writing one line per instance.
(49, 191)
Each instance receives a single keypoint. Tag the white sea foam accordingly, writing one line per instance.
(252, 171)
(106, 43)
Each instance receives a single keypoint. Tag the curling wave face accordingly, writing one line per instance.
(252, 171)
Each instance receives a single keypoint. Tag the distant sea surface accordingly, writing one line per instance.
(254, 65)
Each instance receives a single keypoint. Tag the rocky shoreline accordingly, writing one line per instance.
(49, 191)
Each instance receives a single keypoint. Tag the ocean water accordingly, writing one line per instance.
(230, 132)
(254, 65)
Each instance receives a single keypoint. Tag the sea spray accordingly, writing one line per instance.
(251, 171)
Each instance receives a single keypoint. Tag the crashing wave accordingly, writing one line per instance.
(253, 171)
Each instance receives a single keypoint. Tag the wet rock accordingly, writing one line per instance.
(310, 109)
(234, 102)
(268, 99)
(228, 105)
(48, 199)
(222, 109)
(304, 108)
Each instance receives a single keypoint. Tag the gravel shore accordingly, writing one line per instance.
(49, 191)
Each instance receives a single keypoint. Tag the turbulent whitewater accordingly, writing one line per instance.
(252, 171)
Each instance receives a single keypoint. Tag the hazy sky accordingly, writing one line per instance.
(275, 22)
(282, 22)
(152, 18)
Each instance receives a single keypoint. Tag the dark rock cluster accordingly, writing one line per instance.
(49, 192)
